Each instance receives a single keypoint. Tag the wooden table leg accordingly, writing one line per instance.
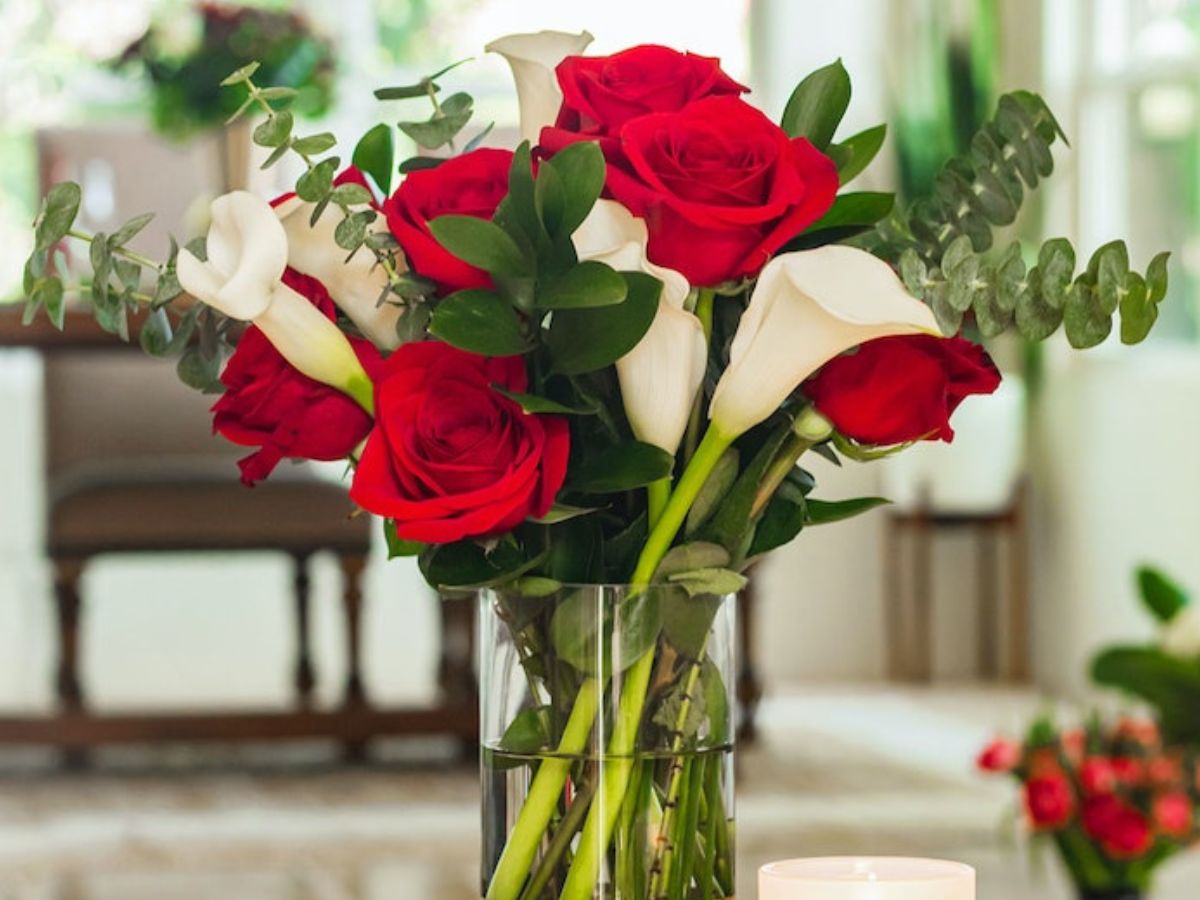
(355, 694)
(989, 604)
(457, 684)
(922, 599)
(304, 675)
(1018, 616)
(895, 633)
(68, 686)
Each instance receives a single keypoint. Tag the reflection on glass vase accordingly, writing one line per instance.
(607, 731)
(1113, 894)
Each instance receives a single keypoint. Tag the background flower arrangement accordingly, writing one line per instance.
(599, 359)
(1112, 798)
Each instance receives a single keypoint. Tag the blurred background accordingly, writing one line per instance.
(885, 649)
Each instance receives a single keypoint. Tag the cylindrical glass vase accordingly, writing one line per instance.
(1110, 894)
(607, 725)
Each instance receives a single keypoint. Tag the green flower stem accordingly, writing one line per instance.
(709, 864)
(614, 779)
(714, 444)
(809, 428)
(560, 843)
(544, 792)
(130, 255)
(704, 312)
(657, 495)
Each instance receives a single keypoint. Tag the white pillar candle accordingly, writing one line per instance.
(861, 878)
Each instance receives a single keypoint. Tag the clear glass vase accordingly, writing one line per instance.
(607, 742)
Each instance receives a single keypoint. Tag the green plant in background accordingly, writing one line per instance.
(186, 55)
(1165, 674)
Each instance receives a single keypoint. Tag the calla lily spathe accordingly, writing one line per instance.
(355, 284)
(533, 58)
(659, 377)
(247, 252)
(808, 307)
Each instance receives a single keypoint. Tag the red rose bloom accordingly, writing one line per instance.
(1096, 776)
(469, 185)
(1099, 813)
(1128, 834)
(269, 405)
(1001, 755)
(450, 457)
(1128, 770)
(898, 389)
(720, 185)
(602, 93)
(1049, 801)
(1173, 814)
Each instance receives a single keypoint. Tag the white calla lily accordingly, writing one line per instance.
(808, 307)
(533, 58)
(355, 284)
(660, 376)
(247, 252)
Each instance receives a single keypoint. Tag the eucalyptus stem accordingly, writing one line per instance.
(131, 255)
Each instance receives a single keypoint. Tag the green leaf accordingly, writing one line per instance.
(126, 232)
(481, 243)
(709, 581)
(418, 163)
(526, 733)
(784, 518)
(1166, 682)
(155, 336)
(728, 526)
(1162, 596)
(584, 340)
(535, 403)
(822, 512)
(443, 125)
(1085, 320)
(315, 144)
(316, 184)
(59, 209)
(859, 150)
(690, 556)
(621, 468)
(199, 371)
(856, 208)
(374, 154)
(277, 92)
(274, 130)
(580, 169)
(49, 293)
(561, 512)
(465, 564)
(351, 194)
(407, 91)
(474, 142)
(396, 545)
(675, 704)
(241, 74)
(715, 487)
(588, 284)
(584, 629)
(479, 321)
(352, 230)
(550, 199)
(413, 325)
(817, 105)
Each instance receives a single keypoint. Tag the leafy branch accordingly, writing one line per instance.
(940, 241)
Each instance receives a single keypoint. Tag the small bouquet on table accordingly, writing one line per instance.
(579, 379)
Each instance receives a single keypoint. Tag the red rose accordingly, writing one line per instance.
(1096, 776)
(898, 389)
(450, 457)
(1128, 770)
(1049, 801)
(1001, 755)
(1173, 814)
(602, 93)
(268, 404)
(1128, 834)
(720, 185)
(1099, 813)
(469, 185)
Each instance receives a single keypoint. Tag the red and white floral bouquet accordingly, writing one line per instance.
(599, 359)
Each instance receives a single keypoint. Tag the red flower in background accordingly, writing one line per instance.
(1096, 776)
(269, 405)
(451, 457)
(720, 185)
(1120, 829)
(899, 389)
(1172, 813)
(602, 93)
(1001, 755)
(1049, 801)
(472, 184)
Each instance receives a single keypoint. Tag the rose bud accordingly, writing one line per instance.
(1049, 801)
(1001, 755)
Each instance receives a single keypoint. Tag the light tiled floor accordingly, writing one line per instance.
(872, 771)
